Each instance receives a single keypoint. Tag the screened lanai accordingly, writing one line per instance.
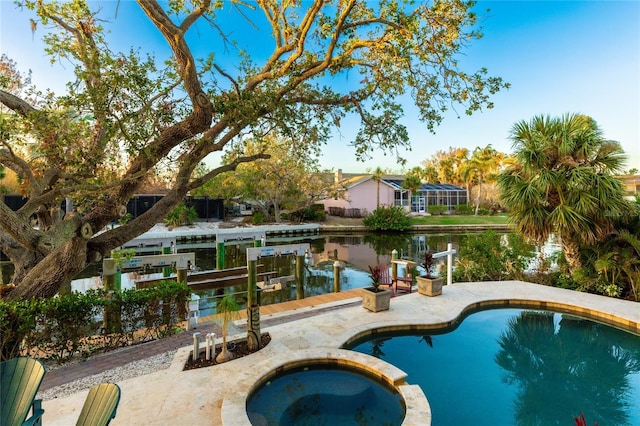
(429, 194)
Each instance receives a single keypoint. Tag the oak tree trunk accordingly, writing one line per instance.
(46, 277)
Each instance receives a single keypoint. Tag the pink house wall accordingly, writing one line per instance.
(363, 196)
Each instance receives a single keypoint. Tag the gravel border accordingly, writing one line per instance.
(115, 375)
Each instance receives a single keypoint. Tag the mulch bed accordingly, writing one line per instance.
(239, 349)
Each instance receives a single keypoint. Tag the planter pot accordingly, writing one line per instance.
(430, 286)
(376, 301)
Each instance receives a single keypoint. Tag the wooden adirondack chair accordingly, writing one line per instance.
(385, 276)
(100, 406)
(20, 379)
(404, 283)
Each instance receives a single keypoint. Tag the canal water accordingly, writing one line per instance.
(355, 252)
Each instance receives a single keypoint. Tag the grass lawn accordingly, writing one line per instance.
(459, 220)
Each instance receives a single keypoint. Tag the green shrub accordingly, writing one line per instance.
(258, 218)
(438, 210)
(464, 209)
(181, 215)
(563, 280)
(486, 257)
(17, 321)
(65, 322)
(314, 213)
(67, 325)
(392, 218)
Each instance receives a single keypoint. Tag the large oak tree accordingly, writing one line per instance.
(128, 114)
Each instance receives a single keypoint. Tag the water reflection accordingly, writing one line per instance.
(513, 367)
(357, 252)
(574, 365)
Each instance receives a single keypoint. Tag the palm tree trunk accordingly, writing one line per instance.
(571, 252)
(479, 193)
(224, 354)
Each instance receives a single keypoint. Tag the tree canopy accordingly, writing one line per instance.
(127, 114)
(290, 179)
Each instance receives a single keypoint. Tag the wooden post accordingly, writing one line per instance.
(182, 266)
(252, 281)
(112, 319)
(394, 266)
(182, 276)
(336, 277)
(220, 255)
(254, 338)
(253, 308)
(109, 271)
(300, 268)
(299, 291)
(300, 277)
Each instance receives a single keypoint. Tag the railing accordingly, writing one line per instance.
(449, 253)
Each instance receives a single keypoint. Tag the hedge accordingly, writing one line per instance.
(71, 325)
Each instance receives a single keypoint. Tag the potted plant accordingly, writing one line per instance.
(375, 298)
(428, 284)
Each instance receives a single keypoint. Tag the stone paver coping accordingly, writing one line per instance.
(217, 395)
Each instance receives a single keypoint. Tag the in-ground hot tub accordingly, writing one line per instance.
(322, 393)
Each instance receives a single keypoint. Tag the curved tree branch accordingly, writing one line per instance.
(16, 104)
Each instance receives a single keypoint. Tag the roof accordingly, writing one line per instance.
(426, 187)
(395, 182)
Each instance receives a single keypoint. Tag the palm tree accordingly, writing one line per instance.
(563, 182)
(377, 175)
(227, 308)
(412, 183)
(484, 164)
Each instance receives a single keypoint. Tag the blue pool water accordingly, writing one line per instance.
(515, 367)
(324, 395)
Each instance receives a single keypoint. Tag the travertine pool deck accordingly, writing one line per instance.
(216, 395)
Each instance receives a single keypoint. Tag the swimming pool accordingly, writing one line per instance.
(511, 367)
(324, 394)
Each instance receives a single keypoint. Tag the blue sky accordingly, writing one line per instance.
(559, 56)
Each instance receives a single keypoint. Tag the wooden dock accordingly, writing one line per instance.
(309, 302)
(305, 307)
(207, 280)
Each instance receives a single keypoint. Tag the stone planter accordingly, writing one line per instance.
(430, 286)
(376, 301)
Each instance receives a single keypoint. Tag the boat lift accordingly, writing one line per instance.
(181, 261)
(253, 306)
(259, 238)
